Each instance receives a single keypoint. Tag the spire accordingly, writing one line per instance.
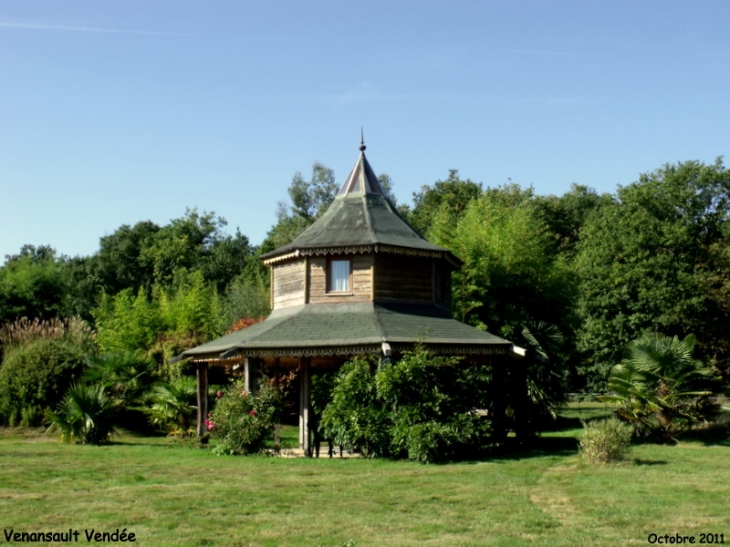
(360, 219)
(362, 179)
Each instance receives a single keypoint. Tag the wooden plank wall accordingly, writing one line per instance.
(288, 284)
(361, 281)
(403, 278)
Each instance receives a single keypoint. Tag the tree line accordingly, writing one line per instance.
(574, 278)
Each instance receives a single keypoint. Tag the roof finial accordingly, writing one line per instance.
(362, 141)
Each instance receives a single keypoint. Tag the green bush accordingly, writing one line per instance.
(422, 408)
(356, 416)
(432, 400)
(34, 377)
(85, 415)
(605, 441)
(242, 422)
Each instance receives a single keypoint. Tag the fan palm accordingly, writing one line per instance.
(656, 384)
(126, 376)
(174, 405)
(84, 416)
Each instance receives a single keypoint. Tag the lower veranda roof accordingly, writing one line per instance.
(348, 329)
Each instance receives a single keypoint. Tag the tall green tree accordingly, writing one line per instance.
(566, 215)
(123, 260)
(450, 196)
(512, 284)
(656, 260)
(34, 284)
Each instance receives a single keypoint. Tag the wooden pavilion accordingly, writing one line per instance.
(359, 281)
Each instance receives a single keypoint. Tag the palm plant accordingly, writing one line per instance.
(656, 384)
(174, 405)
(126, 376)
(545, 374)
(84, 416)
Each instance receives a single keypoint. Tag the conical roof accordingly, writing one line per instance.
(360, 219)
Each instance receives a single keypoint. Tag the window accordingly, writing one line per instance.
(339, 276)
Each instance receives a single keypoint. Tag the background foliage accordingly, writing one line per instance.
(572, 278)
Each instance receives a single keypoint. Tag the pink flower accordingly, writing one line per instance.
(252, 413)
(210, 425)
(219, 394)
(244, 394)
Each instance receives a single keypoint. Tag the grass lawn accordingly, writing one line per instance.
(168, 495)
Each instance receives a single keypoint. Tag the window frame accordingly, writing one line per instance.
(330, 277)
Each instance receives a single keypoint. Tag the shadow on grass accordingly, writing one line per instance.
(536, 447)
(711, 435)
(638, 461)
(565, 423)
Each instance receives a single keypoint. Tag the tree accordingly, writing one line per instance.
(33, 283)
(451, 195)
(657, 385)
(566, 215)
(123, 261)
(506, 270)
(196, 242)
(654, 261)
(512, 284)
(311, 198)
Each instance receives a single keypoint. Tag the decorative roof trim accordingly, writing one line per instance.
(363, 249)
(358, 350)
(311, 352)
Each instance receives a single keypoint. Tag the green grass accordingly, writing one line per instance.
(544, 497)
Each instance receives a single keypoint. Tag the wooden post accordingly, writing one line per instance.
(277, 427)
(521, 399)
(304, 410)
(202, 390)
(499, 388)
(251, 374)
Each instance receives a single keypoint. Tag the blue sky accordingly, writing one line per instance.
(120, 111)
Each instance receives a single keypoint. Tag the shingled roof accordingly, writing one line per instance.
(348, 329)
(360, 219)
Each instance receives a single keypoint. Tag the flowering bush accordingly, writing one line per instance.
(242, 422)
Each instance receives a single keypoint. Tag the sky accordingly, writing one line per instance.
(121, 111)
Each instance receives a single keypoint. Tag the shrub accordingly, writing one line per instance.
(241, 422)
(422, 408)
(356, 416)
(35, 376)
(432, 401)
(85, 416)
(605, 441)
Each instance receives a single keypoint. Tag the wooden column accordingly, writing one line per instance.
(304, 410)
(521, 399)
(201, 375)
(250, 374)
(499, 395)
(277, 427)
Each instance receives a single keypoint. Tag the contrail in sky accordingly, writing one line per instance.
(37, 26)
